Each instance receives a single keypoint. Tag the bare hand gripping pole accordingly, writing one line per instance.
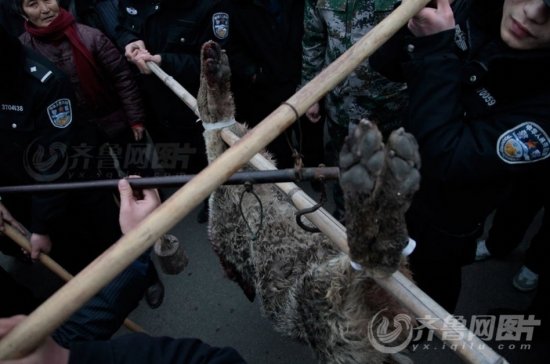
(53, 266)
(43, 321)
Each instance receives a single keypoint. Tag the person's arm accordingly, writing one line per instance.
(184, 63)
(147, 349)
(131, 349)
(123, 34)
(185, 66)
(314, 45)
(135, 205)
(49, 352)
(454, 146)
(122, 78)
(314, 42)
(5, 216)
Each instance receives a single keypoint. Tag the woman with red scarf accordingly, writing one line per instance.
(106, 92)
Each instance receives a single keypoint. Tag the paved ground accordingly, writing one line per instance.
(200, 302)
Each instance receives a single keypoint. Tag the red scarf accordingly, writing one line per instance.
(89, 75)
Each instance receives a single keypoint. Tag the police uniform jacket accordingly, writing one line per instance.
(36, 133)
(121, 104)
(479, 110)
(266, 55)
(176, 30)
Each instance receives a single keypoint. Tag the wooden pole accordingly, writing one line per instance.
(43, 321)
(53, 266)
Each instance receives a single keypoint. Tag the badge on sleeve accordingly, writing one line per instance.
(220, 25)
(526, 143)
(60, 113)
(131, 10)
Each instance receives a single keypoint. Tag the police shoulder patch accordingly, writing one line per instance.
(131, 10)
(220, 25)
(60, 113)
(38, 70)
(525, 143)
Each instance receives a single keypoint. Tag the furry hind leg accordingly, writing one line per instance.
(378, 184)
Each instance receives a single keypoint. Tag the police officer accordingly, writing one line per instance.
(171, 33)
(38, 131)
(330, 28)
(478, 80)
(36, 123)
(36, 119)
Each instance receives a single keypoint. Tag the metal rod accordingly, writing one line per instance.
(255, 177)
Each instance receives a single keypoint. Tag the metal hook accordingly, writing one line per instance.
(322, 200)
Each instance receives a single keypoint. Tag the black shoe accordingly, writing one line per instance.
(202, 216)
(154, 295)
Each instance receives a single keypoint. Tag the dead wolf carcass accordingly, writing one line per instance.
(307, 288)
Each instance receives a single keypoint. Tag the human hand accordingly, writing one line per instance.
(432, 20)
(314, 113)
(49, 352)
(5, 216)
(138, 131)
(132, 49)
(141, 59)
(132, 209)
(40, 244)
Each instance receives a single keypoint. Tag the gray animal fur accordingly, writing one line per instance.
(307, 288)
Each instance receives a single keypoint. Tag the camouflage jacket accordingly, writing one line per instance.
(333, 26)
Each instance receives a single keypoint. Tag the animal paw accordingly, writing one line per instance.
(361, 160)
(398, 183)
(215, 65)
(403, 163)
(214, 99)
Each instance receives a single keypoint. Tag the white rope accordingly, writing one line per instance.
(219, 124)
(406, 252)
(409, 248)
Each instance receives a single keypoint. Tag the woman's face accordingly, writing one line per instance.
(525, 24)
(40, 12)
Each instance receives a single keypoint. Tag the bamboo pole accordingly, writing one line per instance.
(53, 266)
(27, 335)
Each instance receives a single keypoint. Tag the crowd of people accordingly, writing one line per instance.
(469, 79)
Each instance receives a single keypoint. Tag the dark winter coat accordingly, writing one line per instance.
(36, 132)
(266, 56)
(140, 348)
(479, 110)
(122, 104)
(176, 30)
